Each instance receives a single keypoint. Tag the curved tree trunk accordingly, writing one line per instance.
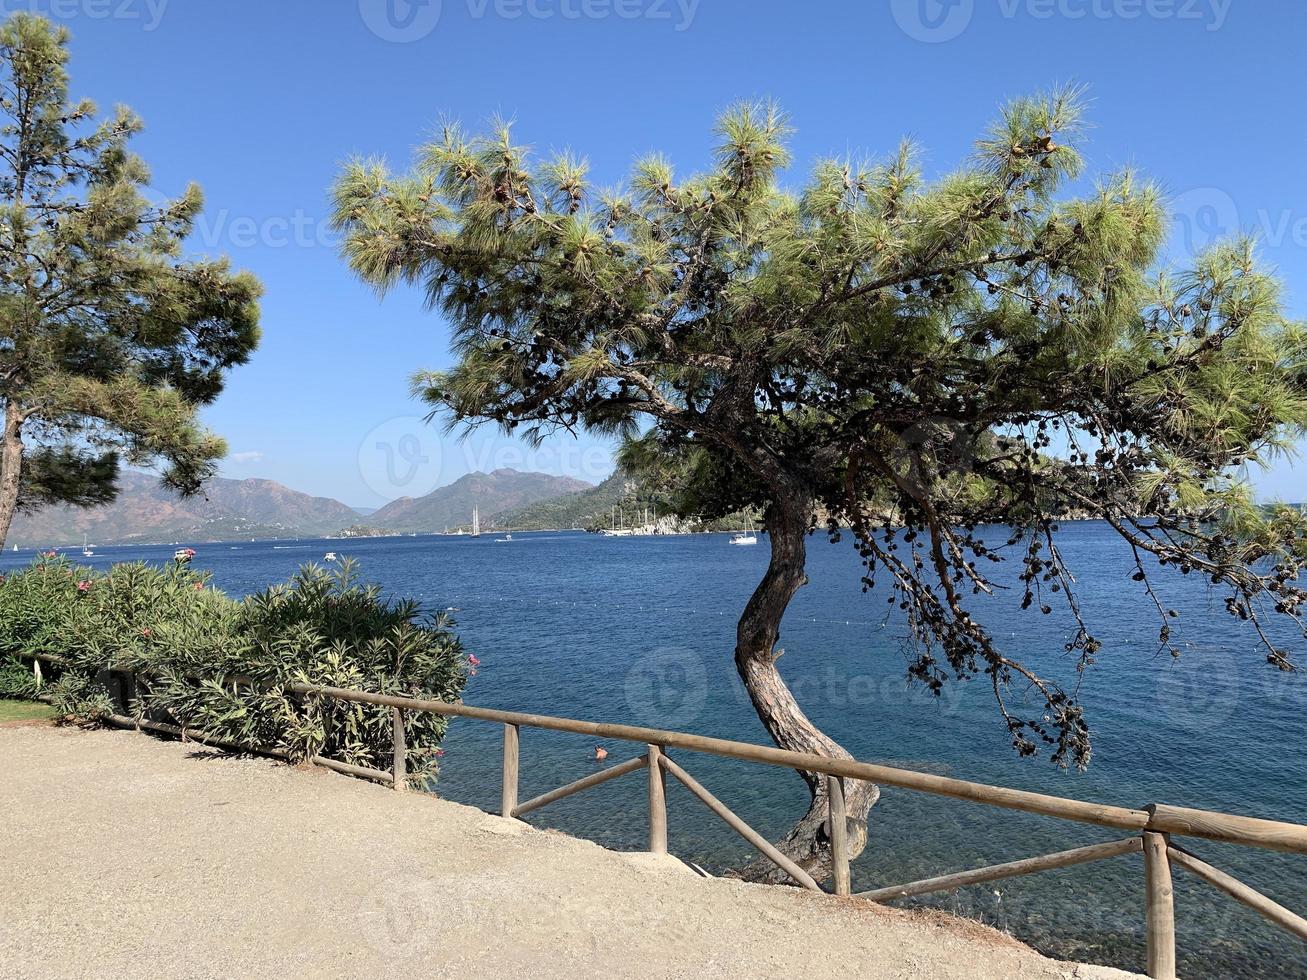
(756, 653)
(11, 465)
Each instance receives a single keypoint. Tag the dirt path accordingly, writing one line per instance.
(129, 856)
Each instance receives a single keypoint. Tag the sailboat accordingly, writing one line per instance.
(87, 552)
(476, 522)
(745, 538)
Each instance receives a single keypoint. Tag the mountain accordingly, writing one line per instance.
(623, 497)
(588, 508)
(226, 510)
(494, 493)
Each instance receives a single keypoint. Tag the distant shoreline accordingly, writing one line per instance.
(486, 533)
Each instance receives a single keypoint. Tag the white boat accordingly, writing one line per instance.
(744, 538)
(87, 552)
(476, 522)
(329, 556)
(505, 539)
(15, 547)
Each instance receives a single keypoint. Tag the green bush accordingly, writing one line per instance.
(221, 666)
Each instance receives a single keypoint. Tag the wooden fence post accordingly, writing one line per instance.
(1159, 908)
(657, 802)
(399, 766)
(839, 835)
(509, 800)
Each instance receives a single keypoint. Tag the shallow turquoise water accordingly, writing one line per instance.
(641, 631)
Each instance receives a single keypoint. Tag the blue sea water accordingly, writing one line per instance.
(641, 631)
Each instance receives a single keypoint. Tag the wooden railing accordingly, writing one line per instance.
(1150, 829)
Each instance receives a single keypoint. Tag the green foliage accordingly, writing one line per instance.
(110, 339)
(220, 667)
(911, 359)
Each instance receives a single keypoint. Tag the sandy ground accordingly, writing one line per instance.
(125, 855)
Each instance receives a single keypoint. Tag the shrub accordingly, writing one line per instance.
(221, 666)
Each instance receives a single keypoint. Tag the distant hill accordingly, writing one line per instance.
(593, 509)
(494, 493)
(146, 513)
(588, 508)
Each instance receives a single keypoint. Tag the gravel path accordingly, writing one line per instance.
(129, 856)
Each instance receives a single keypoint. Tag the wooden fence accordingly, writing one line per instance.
(1149, 830)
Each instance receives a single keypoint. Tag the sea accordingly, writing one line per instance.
(641, 631)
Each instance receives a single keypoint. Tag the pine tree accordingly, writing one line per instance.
(910, 360)
(109, 340)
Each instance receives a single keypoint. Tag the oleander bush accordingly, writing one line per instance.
(220, 666)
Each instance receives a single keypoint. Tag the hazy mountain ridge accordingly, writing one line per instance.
(225, 510)
(620, 499)
(493, 493)
(588, 508)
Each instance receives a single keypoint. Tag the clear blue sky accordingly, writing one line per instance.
(260, 101)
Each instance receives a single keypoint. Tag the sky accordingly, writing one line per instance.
(261, 101)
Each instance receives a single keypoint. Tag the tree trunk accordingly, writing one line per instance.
(11, 466)
(756, 653)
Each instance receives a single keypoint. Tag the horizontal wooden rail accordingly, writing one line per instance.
(571, 789)
(1235, 888)
(1250, 831)
(1053, 806)
(191, 735)
(1012, 869)
(1228, 828)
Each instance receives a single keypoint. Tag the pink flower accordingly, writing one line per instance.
(473, 660)
(199, 586)
(147, 633)
(83, 586)
(440, 753)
